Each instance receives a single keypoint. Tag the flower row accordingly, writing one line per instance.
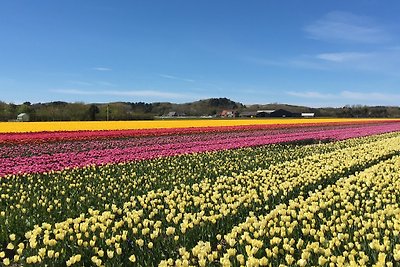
(54, 136)
(167, 223)
(353, 222)
(133, 150)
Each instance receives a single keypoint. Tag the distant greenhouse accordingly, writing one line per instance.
(23, 117)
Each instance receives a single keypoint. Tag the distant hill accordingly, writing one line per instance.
(58, 110)
(207, 107)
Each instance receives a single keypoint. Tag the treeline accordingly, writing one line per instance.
(359, 111)
(63, 111)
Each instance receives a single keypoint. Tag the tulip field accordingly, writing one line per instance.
(211, 193)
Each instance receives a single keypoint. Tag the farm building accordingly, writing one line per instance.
(228, 114)
(282, 113)
(23, 117)
(173, 114)
(308, 115)
(258, 113)
(264, 112)
(270, 113)
(248, 114)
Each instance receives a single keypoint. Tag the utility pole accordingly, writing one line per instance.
(107, 111)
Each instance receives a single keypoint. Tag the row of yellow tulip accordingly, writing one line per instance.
(354, 222)
(56, 196)
(165, 221)
(20, 127)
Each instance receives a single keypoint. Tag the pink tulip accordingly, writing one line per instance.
(39, 157)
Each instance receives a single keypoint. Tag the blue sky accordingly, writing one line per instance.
(315, 53)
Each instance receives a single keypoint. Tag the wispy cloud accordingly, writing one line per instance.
(347, 27)
(307, 62)
(311, 94)
(127, 93)
(104, 83)
(83, 83)
(370, 96)
(7, 80)
(343, 56)
(384, 61)
(266, 62)
(171, 77)
(303, 62)
(102, 69)
(346, 97)
(92, 83)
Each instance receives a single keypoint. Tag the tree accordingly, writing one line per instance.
(93, 110)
